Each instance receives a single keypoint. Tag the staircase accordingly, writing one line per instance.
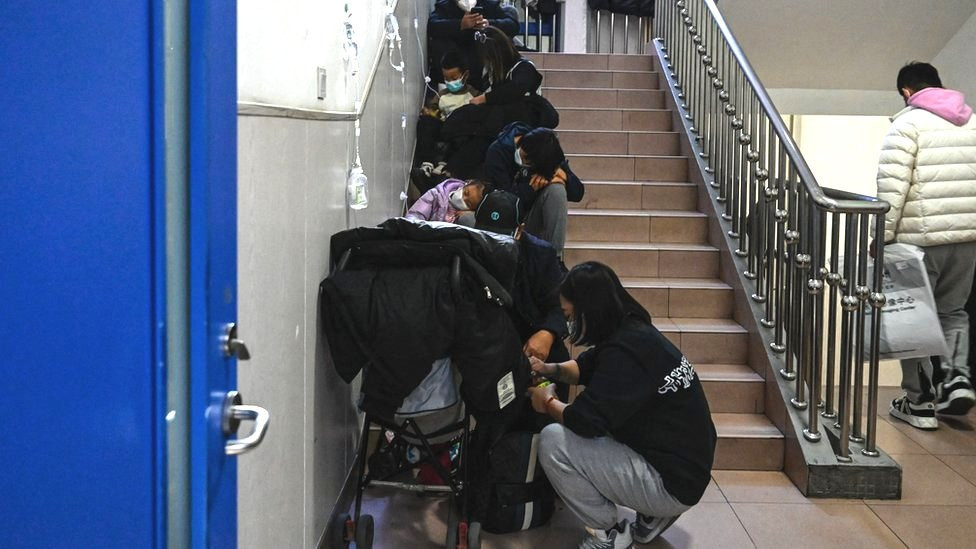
(640, 216)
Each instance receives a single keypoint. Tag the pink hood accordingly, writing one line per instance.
(947, 104)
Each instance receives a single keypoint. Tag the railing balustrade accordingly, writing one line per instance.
(791, 234)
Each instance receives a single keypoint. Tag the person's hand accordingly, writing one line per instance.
(478, 100)
(560, 176)
(540, 368)
(539, 344)
(540, 396)
(473, 21)
(538, 182)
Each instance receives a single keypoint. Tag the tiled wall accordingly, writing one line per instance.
(291, 200)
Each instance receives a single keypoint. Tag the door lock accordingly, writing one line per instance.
(236, 411)
(232, 346)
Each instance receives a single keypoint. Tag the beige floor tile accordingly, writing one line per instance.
(928, 481)
(893, 441)
(705, 526)
(713, 494)
(758, 487)
(964, 465)
(952, 438)
(816, 525)
(930, 527)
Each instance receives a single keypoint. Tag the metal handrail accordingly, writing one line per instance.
(854, 205)
(781, 220)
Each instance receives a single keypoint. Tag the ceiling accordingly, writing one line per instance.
(841, 44)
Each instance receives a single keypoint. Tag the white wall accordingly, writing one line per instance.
(957, 61)
(281, 45)
(291, 200)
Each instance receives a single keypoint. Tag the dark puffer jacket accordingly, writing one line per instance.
(392, 308)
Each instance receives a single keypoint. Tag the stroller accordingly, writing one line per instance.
(391, 287)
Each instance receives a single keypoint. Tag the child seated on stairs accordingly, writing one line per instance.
(456, 93)
(453, 201)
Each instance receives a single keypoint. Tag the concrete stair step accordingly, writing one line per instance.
(591, 61)
(651, 195)
(613, 225)
(707, 340)
(636, 259)
(747, 442)
(619, 142)
(604, 98)
(585, 118)
(607, 79)
(682, 297)
(605, 167)
(732, 388)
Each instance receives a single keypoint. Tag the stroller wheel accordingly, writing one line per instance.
(474, 535)
(452, 527)
(364, 532)
(341, 536)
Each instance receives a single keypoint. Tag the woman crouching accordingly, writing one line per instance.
(640, 435)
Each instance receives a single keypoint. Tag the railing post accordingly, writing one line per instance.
(877, 301)
(849, 303)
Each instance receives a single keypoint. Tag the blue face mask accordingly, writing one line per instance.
(454, 86)
(518, 158)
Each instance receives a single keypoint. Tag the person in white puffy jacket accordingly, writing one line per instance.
(927, 172)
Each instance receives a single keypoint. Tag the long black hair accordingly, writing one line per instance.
(497, 53)
(601, 305)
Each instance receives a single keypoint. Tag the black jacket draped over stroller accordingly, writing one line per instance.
(406, 293)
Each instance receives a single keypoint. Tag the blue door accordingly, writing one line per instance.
(95, 111)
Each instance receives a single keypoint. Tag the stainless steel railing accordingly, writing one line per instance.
(609, 32)
(539, 32)
(805, 248)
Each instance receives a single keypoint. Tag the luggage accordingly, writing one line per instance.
(519, 494)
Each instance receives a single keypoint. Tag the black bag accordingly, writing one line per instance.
(519, 494)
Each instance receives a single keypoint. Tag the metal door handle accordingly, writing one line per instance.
(232, 346)
(235, 412)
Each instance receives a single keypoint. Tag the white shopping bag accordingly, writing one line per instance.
(909, 320)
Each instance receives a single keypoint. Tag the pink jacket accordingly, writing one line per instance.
(435, 205)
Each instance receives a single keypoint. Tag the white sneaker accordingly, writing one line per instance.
(955, 397)
(920, 416)
(427, 168)
(617, 537)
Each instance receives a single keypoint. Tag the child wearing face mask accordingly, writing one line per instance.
(453, 201)
(456, 93)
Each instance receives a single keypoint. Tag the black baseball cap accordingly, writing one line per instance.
(498, 213)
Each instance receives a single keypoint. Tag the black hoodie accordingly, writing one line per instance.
(641, 391)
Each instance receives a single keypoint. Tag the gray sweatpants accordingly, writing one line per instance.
(547, 218)
(950, 268)
(594, 475)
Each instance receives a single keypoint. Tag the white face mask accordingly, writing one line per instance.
(466, 5)
(456, 199)
(518, 158)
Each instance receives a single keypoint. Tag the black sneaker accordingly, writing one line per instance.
(920, 416)
(617, 537)
(644, 529)
(955, 397)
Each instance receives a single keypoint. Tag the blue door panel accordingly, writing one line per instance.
(77, 290)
